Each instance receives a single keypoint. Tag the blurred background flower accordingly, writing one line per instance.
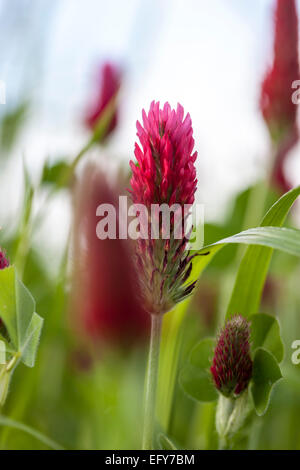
(4, 263)
(108, 84)
(105, 300)
(277, 106)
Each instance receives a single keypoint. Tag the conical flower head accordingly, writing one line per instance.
(232, 364)
(276, 103)
(164, 174)
(4, 263)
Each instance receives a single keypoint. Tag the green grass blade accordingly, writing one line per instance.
(254, 267)
(4, 421)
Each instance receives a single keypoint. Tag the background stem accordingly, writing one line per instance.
(151, 381)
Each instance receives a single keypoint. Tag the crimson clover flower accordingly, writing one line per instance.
(104, 293)
(232, 364)
(277, 107)
(4, 263)
(164, 174)
(108, 86)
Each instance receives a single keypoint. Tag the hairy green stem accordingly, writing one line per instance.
(151, 382)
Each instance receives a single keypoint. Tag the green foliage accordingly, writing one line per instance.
(254, 266)
(22, 237)
(195, 377)
(165, 443)
(253, 269)
(265, 333)
(17, 310)
(197, 383)
(49, 443)
(235, 222)
(268, 351)
(201, 354)
(287, 240)
(266, 372)
(56, 175)
(11, 125)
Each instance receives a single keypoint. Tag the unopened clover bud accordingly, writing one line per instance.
(232, 364)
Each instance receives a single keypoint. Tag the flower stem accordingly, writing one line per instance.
(151, 382)
(230, 417)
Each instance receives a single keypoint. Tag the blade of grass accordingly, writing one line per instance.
(254, 266)
(4, 421)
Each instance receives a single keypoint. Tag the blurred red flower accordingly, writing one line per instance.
(108, 85)
(279, 178)
(105, 291)
(278, 109)
(4, 263)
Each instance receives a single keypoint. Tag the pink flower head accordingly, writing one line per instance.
(109, 85)
(276, 103)
(164, 174)
(4, 263)
(232, 364)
